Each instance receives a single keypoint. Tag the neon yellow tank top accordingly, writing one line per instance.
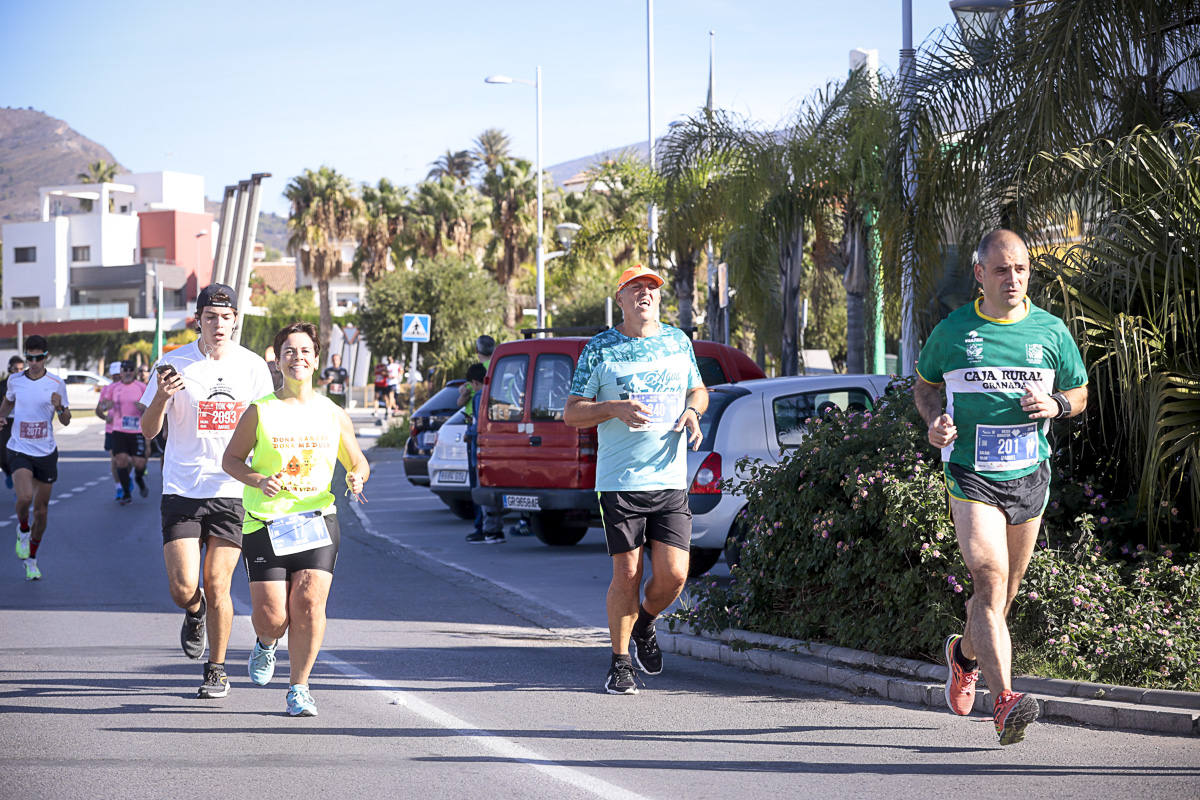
(301, 441)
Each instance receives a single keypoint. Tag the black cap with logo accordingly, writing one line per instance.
(217, 295)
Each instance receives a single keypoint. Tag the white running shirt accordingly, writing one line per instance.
(201, 417)
(33, 414)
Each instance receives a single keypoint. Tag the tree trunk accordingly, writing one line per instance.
(714, 314)
(856, 280)
(684, 284)
(326, 327)
(791, 269)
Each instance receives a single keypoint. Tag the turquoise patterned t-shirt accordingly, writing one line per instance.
(657, 371)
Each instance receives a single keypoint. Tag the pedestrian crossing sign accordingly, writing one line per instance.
(416, 328)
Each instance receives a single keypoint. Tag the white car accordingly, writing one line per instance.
(83, 388)
(449, 475)
(761, 419)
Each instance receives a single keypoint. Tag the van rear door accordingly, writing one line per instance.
(503, 442)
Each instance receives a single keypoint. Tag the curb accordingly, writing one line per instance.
(921, 683)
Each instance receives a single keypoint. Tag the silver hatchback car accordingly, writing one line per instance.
(761, 419)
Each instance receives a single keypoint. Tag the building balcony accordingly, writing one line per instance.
(132, 284)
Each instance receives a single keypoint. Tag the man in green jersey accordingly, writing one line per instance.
(1007, 368)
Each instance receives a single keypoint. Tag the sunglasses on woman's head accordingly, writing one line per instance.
(36, 356)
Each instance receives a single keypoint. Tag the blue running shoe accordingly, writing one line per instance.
(300, 702)
(262, 663)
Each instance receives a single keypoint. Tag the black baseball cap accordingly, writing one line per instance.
(217, 295)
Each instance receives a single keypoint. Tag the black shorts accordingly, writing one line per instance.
(632, 518)
(201, 518)
(382, 392)
(263, 565)
(1020, 499)
(132, 444)
(108, 441)
(44, 468)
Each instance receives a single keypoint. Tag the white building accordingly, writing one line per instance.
(102, 262)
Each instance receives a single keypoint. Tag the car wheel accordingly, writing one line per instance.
(556, 529)
(734, 543)
(463, 509)
(702, 559)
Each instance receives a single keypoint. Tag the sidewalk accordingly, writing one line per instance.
(861, 673)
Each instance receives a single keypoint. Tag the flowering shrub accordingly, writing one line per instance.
(850, 543)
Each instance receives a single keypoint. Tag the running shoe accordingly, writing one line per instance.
(119, 495)
(32, 573)
(22, 545)
(300, 702)
(216, 683)
(262, 663)
(126, 498)
(646, 654)
(194, 635)
(960, 683)
(143, 489)
(478, 537)
(494, 538)
(1014, 712)
(621, 679)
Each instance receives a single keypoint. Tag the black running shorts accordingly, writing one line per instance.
(44, 468)
(1020, 499)
(632, 518)
(263, 565)
(132, 444)
(108, 441)
(201, 518)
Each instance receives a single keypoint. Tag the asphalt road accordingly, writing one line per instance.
(435, 682)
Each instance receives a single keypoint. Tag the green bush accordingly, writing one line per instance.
(396, 434)
(850, 543)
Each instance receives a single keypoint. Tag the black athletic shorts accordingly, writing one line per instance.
(44, 468)
(263, 565)
(132, 444)
(632, 518)
(201, 518)
(1020, 499)
(108, 441)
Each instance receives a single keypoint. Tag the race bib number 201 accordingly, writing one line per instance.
(218, 416)
(1003, 447)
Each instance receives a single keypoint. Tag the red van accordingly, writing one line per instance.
(531, 462)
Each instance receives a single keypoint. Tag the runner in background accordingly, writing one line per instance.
(15, 364)
(34, 398)
(336, 380)
(119, 408)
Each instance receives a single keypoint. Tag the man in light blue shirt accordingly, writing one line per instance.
(638, 383)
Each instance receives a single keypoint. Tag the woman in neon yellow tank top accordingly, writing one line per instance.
(290, 532)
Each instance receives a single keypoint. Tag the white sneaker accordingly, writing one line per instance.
(22, 545)
(32, 573)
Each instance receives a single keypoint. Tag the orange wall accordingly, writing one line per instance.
(176, 232)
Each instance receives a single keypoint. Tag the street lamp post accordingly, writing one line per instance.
(541, 259)
(978, 20)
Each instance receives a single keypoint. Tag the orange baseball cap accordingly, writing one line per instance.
(638, 271)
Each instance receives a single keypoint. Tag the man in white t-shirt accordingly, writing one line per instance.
(201, 390)
(33, 398)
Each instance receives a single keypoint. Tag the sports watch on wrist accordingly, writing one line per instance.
(1064, 405)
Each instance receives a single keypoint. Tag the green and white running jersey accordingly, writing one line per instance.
(987, 364)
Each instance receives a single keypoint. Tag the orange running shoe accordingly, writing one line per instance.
(960, 684)
(1014, 712)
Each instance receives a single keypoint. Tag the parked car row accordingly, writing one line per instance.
(535, 466)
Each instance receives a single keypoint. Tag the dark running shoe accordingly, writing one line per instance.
(496, 537)
(478, 537)
(621, 679)
(646, 654)
(1014, 712)
(194, 635)
(143, 489)
(216, 683)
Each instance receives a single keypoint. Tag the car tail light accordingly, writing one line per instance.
(708, 477)
(587, 442)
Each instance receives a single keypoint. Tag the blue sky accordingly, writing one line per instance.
(381, 89)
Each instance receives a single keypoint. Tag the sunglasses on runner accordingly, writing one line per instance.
(36, 356)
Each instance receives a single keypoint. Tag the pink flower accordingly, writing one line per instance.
(1034, 596)
(1075, 601)
(957, 589)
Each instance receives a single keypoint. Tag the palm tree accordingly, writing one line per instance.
(456, 164)
(491, 148)
(441, 216)
(97, 172)
(512, 190)
(384, 216)
(1070, 130)
(325, 211)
